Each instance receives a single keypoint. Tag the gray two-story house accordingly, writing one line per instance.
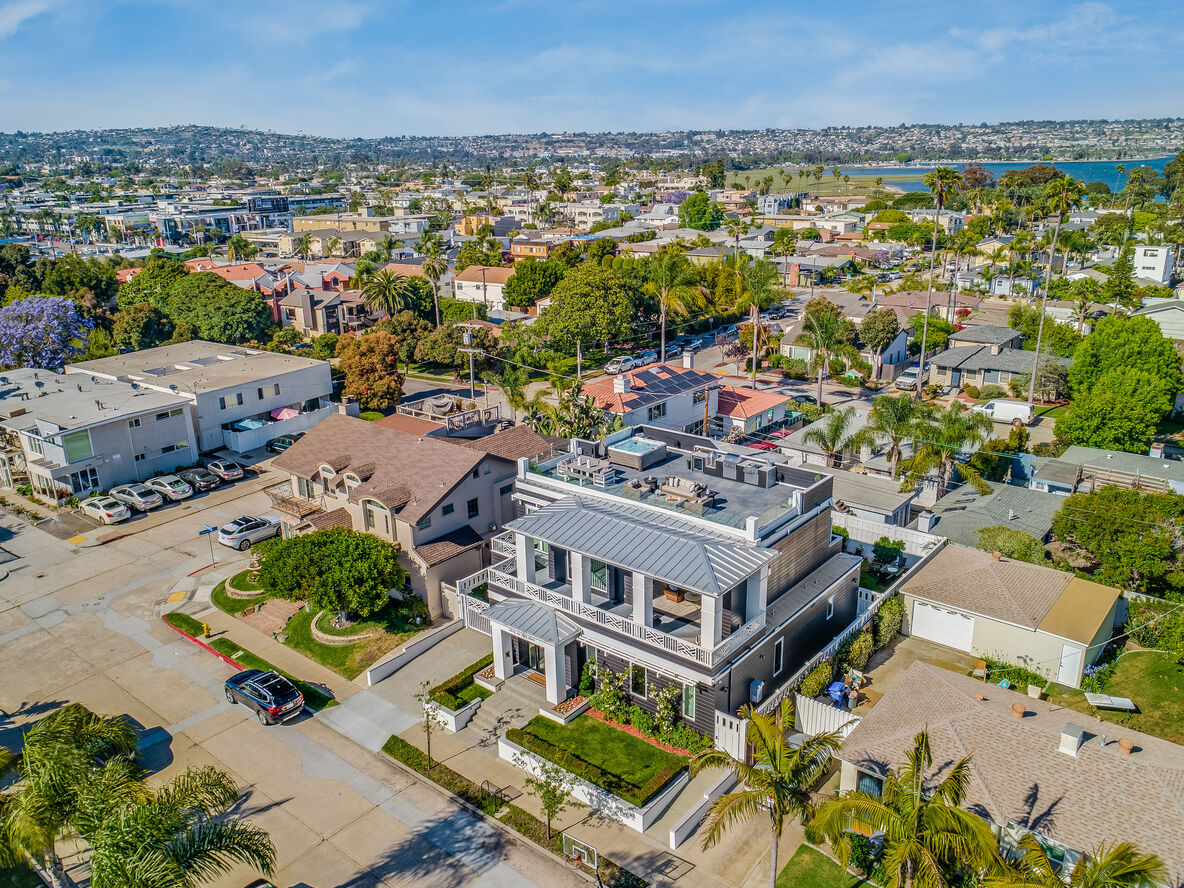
(657, 554)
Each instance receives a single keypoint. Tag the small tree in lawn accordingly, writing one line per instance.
(551, 787)
(431, 716)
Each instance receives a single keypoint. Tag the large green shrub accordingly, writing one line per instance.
(856, 651)
(889, 619)
(817, 679)
(335, 569)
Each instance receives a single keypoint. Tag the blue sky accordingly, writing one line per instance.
(391, 67)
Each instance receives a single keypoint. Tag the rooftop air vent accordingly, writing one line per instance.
(1071, 737)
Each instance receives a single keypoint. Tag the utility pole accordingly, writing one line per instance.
(579, 359)
(469, 348)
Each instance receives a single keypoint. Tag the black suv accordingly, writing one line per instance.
(273, 697)
(200, 479)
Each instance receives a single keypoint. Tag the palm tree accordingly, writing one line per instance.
(512, 382)
(304, 245)
(927, 834)
(435, 263)
(777, 783)
(736, 227)
(384, 291)
(939, 436)
(333, 244)
(1116, 866)
(1061, 196)
(61, 753)
(178, 835)
(822, 333)
(672, 283)
(387, 247)
(758, 291)
(890, 419)
(831, 435)
(943, 183)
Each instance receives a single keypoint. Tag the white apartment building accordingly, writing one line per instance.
(482, 284)
(243, 397)
(1154, 263)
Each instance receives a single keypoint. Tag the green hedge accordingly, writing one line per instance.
(889, 619)
(573, 764)
(416, 759)
(816, 679)
(185, 623)
(446, 694)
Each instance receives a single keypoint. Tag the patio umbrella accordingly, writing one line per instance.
(284, 413)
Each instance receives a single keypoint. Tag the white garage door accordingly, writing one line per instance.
(943, 626)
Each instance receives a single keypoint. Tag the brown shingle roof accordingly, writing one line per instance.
(408, 473)
(972, 580)
(412, 425)
(452, 543)
(332, 518)
(514, 443)
(1017, 772)
(493, 274)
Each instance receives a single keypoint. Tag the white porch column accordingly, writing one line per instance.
(643, 599)
(711, 617)
(502, 657)
(581, 577)
(756, 594)
(524, 557)
(556, 669)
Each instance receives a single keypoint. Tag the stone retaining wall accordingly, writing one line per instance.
(336, 640)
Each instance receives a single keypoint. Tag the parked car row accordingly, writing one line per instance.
(625, 363)
(119, 502)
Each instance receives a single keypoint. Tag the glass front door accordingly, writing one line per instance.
(535, 658)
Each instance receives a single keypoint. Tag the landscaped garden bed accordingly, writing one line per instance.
(234, 606)
(618, 762)
(1152, 680)
(461, 690)
(566, 711)
(314, 698)
(392, 626)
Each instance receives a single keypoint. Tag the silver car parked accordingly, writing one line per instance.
(242, 532)
(137, 496)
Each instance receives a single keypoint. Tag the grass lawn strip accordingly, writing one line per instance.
(1150, 679)
(185, 623)
(313, 698)
(810, 868)
(603, 755)
(492, 805)
(234, 606)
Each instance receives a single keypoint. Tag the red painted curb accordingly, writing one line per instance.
(202, 645)
(200, 569)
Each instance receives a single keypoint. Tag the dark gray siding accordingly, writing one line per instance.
(704, 694)
(800, 552)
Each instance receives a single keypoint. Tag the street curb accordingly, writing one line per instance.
(202, 645)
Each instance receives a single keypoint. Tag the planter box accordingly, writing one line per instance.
(455, 720)
(490, 684)
(603, 801)
(564, 718)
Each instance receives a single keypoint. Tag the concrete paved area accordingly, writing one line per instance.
(82, 625)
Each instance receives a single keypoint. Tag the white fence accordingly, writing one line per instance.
(916, 542)
(815, 717)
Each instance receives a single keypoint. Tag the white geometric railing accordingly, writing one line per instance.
(645, 634)
(503, 544)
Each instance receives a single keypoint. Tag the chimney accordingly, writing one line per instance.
(1071, 736)
(621, 384)
(349, 406)
(926, 521)
(688, 359)
(996, 556)
(1156, 450)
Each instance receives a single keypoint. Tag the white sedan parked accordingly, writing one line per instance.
(170, 487)
(105, 510)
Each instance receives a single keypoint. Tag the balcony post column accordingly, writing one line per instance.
(643, 599)
(524, 557)
(502, 661)
(756, 594)
(581, 577)
(556, 669)
(711, 619)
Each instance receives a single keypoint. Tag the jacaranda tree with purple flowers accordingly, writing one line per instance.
(41, 332)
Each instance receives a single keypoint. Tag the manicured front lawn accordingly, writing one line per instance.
(350, 660)
(1153, 681)
(616, 761)
(809, 868)
(1051, 413)
(313, 698)
(474, 692)
(869, 579)
(234, 606)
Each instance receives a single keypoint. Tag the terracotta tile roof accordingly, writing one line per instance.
(1018, 773)
(971, 580)
(648, 385)
(410, 474)
(451, 544)
(514, 443)
(493, 274)
(744, 403)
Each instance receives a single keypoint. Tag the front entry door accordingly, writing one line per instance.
(535, 658)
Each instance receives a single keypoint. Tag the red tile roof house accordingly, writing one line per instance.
(744, 411)
(439, 499)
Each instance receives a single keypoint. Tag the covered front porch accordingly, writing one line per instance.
(531, 637)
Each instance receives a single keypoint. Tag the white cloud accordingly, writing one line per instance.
(15, 14)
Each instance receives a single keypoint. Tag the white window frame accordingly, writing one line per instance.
(779, 656)
(830, 607)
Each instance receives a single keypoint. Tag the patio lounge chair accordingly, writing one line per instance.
(1105, 701)
(980, 669)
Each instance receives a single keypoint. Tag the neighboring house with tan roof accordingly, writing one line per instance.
(1046, 620)
(663, 395)
(1041, 773)
(438, 499)
(483, 284)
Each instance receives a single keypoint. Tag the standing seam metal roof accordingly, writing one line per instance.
(657, 546)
